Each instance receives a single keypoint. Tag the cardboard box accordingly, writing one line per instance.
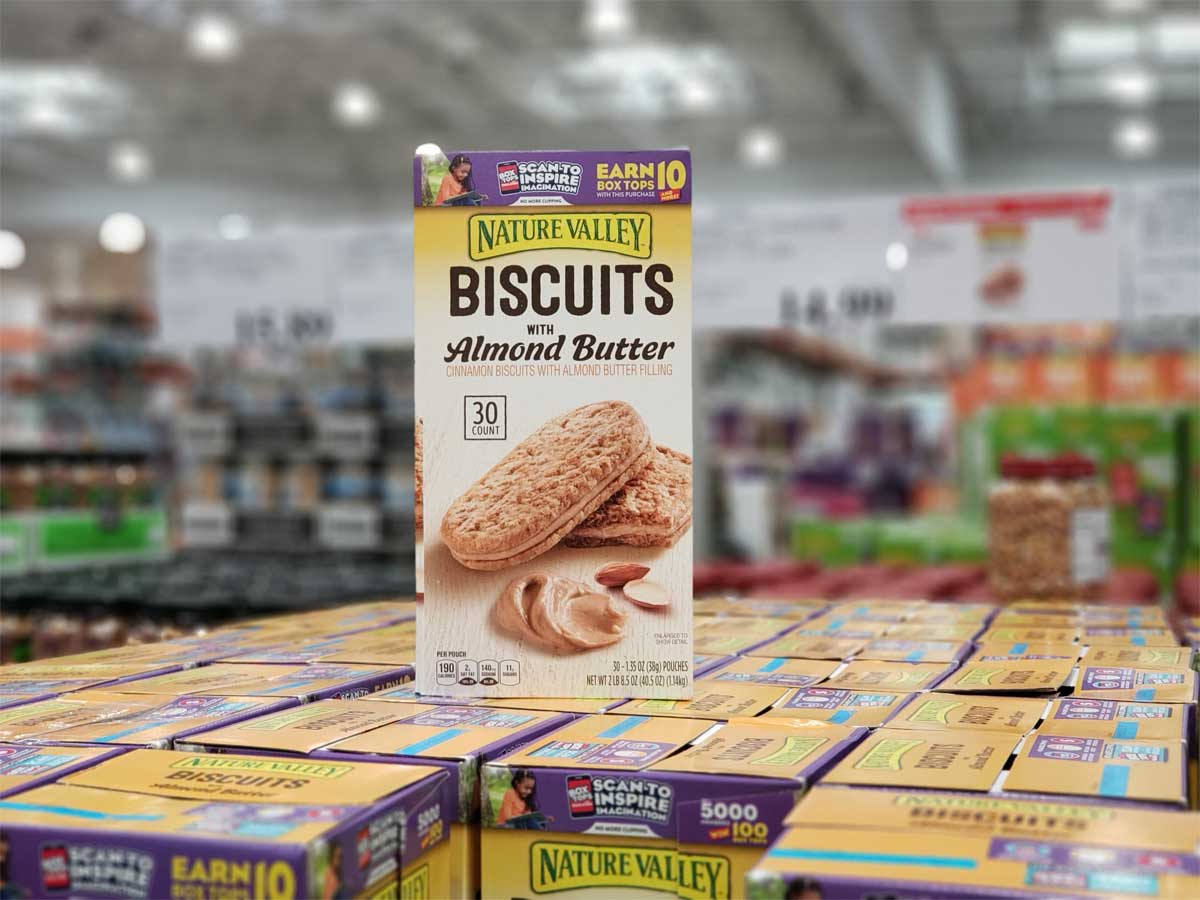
(921, 631)
(776, 670)
(23, 767)
(553, 371)
(30, 682)
(888, 676)
(133, 720)
(685, 813)
(736, 635)
(717, 701)
(318, 681)
(576, 705)
(1118, 719)
(160, 823)
(955, 760)
(1021, 635)
(1142, 770)
(952, 614)
(848, 862)
(806, 646)
(704, 663)
(840, 707)
(896, 650)
(973, 712)
(1141, 657)
(755, 607)
(1022, 650)
(1019, 676)
(1142, 685)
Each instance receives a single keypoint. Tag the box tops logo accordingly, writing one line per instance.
(271, 766)
(86, 869)
(555, 866)
(540, 176)
(614, 796)
(498, 234)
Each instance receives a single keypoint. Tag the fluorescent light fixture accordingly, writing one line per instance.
(1125, 7)
(213, 38)
(233, 227)
(896, 256)
(762, 147)
(608, 19)
(429, 151)
(129, 161)
(1176, 37)
(12, 250)
(1135, 138)
(355, 105)
(1095, 42)
(1131, 86)
(47, 114)
(122, 232)
(697, 95)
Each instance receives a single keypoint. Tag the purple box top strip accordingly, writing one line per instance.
(558, 177)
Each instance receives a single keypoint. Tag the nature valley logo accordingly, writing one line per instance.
(498, 234)
(415, 885)
(555, 867)
(271, 766)
(887, 754)
(935, 711)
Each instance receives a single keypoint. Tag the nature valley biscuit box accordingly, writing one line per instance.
(849, 863)
(777, 670)
(579, 706)
(1148, 771)
(806, 646)
(889, 650)
(866, 674)
(316, 681)
(1142, 685)
(1022, 650)
(950, 759)
(148, 721)
(715, 700)
(1009, 676)
(460, 739)
(971, 712)
(840, 707)
(160, 823)
(797, 610)
(553, 373)
(1141, 657)
(29, 682)
(1119, 719)
(1018, 635)
(23, 766)
(618, 806)
(1120, 636)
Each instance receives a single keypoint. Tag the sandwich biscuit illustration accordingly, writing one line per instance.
(546, 485)
(652, 510)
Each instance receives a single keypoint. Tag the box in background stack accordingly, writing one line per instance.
(23, 766)
(172, 824)
(317, 681)
(905, 843)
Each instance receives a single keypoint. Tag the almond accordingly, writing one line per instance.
(618, 574)
(649, 594)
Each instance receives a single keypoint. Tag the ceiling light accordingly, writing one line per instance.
(429, 151)
(697, 95)
(762, 147)
(1131, 86)
(128, 161)
(1095, 42)
(122, 232)
(47, 114)
(355, 105)
(608, 19)
(1176, 37)
(213, 38)
(12, 250)
(233, 227)
(1125, 7)
(1135, 138)
(896, 256)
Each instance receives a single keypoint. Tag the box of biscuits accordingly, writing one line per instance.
(552, 370)
(163, 823)
(848, 842)
(614, 806)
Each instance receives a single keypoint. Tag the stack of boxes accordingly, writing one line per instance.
(847, 749)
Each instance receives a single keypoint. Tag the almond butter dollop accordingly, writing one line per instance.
(558, 614)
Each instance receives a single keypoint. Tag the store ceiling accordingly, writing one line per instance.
(774, 98)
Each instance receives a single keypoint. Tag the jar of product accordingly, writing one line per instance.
(1048, 522)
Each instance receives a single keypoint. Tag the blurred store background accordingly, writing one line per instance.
(927, 234)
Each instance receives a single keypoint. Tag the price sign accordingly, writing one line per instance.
(275, 327)
(349, 526)
(346, 435)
